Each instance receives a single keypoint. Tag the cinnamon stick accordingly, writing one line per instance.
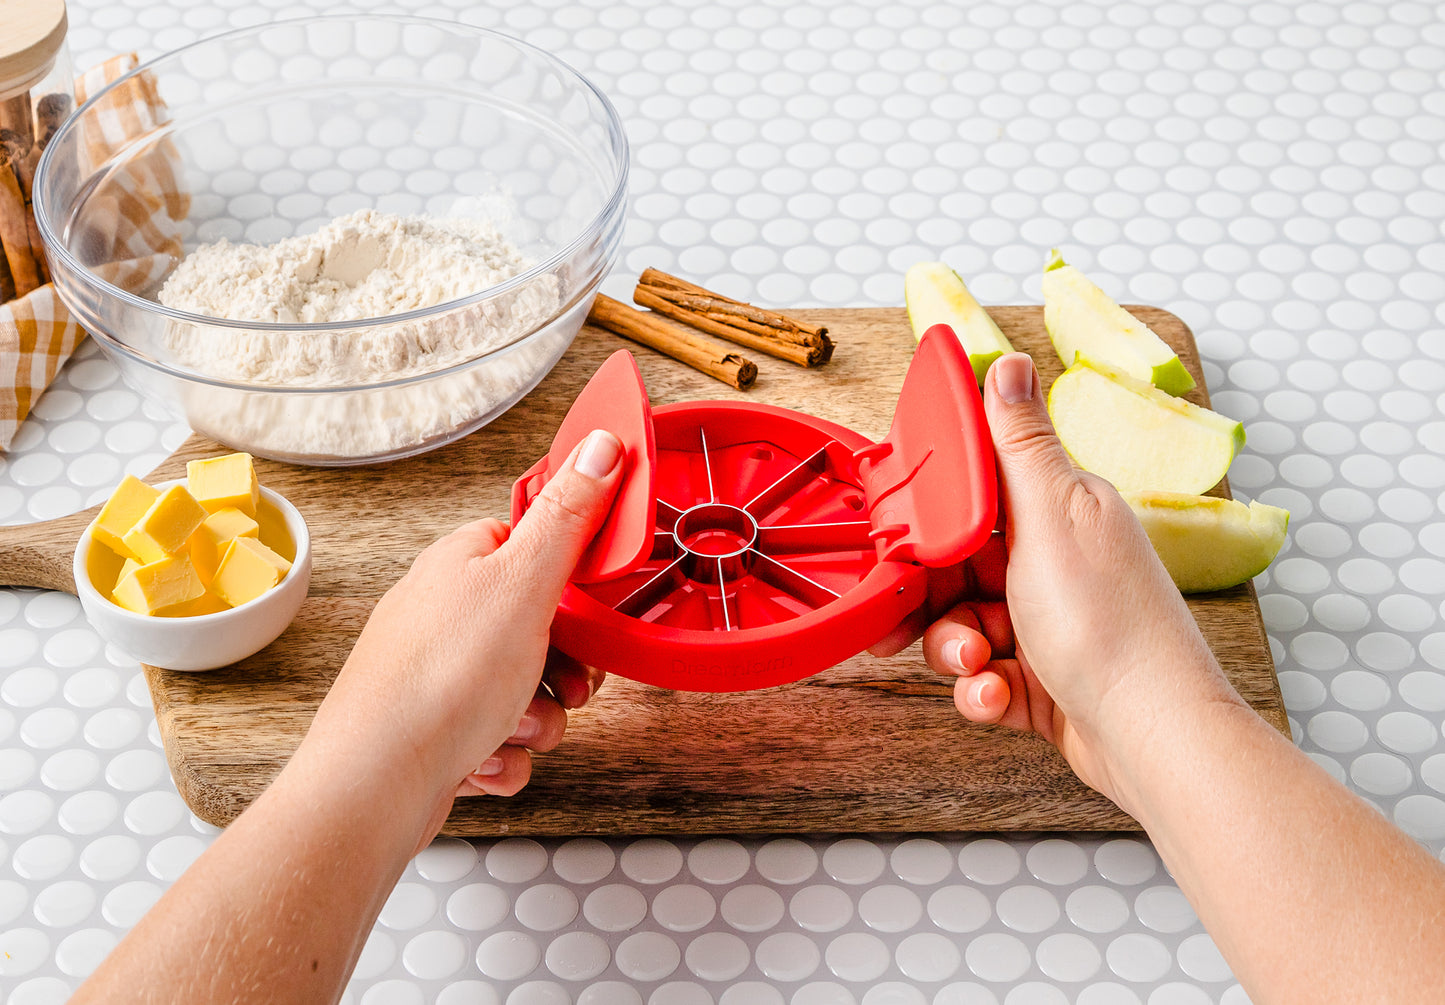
(17, 128)
(694, 297)
(24, 251)
(655, 333)
(7, 283)
(37, 244)
(799, 354)
(15, 232)
(745, 324)
(25, 173)
(50, 112)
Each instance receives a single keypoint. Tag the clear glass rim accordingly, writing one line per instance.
(587, 234)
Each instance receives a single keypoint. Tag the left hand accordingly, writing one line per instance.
(1092, 637)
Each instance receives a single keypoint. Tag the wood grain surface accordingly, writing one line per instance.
(869, 746)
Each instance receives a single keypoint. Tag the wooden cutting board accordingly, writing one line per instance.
(869, 746)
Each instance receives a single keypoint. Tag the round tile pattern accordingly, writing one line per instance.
(806, 154)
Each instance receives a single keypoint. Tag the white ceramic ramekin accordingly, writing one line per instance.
(206, 641)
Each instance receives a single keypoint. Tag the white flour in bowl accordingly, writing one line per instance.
(359, 267)
(363, 268)
(366, 265)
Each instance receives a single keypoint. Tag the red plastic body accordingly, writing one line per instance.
(780, 543)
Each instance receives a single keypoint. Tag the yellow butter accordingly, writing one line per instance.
(157, 586)
(126, 505)
(227, 482)
(166, 526)
(247, 570)
(206, 603)
(217, 531)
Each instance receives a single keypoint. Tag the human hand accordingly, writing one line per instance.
(1092, 644)
(445, 691)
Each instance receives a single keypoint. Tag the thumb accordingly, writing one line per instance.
(550, 537)
(1035, 469)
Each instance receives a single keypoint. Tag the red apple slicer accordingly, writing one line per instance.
(751, 545)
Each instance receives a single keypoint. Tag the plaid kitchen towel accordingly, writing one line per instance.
(36, 336)
(137, 242)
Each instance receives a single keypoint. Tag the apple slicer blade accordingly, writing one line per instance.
(747, 534)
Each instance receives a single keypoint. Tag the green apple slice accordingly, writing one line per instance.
(1082, 321)
(1137, 436)
(1208, 543)
(936, 295)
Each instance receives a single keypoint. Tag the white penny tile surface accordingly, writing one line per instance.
(752, 908)
(1266, 171)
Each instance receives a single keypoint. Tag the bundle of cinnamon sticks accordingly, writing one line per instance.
(26, 126)
(702, 310)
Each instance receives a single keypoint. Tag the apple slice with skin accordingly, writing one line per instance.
(1208, 543)
(936, 295)
(1082, 321)
(1137, 436)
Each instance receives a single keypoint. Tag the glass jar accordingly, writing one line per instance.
(37, 94)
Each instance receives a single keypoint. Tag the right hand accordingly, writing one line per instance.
(1094, 646)
(446, 682)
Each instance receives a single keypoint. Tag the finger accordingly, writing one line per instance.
(481, 537)
(989, 565)
(903, 636)
(1007, 693)
(968, 636)
(573, 682)
(542, 725)
(1041, 707)
(551, 536)
(471, 540)
(956, 644)
(982, 698)
(980, 577)
(1037, 474)
(505, 773)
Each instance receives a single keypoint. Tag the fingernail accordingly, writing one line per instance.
(491, 766)
(979, 692)
(528, 727)
(953, 654)
(1013, 376)
(600, 453)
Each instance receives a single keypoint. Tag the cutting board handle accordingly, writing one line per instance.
(39, 554)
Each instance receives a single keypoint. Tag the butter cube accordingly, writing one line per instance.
(126, 568)
(206, 603)
(227, 482)
(247, 570)
(209, 542)
(157, 586)
(166, 526)
(122, 511)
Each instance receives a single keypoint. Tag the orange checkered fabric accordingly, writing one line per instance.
(36, 336)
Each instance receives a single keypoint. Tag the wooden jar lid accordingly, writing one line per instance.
(34, 33)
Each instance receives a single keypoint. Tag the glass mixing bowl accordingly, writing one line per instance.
(273, 131)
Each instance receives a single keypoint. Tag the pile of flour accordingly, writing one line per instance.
(366, 265)
(363, 267)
